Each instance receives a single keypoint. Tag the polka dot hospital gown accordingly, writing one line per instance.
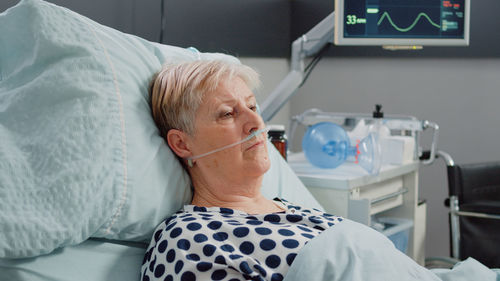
(199, 243)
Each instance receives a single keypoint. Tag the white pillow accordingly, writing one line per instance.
(81, 155)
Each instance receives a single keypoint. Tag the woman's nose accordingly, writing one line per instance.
(253, 121)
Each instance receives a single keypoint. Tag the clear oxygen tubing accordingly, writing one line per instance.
(249, 137)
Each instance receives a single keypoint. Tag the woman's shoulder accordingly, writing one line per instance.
(168, 224)
(290, 205)
(193, 218)
(180, 217)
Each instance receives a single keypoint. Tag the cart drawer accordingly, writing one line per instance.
(382, 195)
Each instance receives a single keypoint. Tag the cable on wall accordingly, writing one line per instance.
(163, 21)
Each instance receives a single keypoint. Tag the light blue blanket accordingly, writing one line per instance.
(352, 251)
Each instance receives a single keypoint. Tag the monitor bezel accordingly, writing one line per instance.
(339, 38)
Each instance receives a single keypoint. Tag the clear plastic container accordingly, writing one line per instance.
(397, 230)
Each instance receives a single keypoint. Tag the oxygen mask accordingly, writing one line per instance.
(327, 145)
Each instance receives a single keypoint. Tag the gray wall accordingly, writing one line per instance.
(139, 17)
(6, 4)
(461, 95)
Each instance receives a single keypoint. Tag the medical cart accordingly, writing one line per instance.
(351, 192)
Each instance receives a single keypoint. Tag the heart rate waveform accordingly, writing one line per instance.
(408, 21)
(386, 15)
(426, 19)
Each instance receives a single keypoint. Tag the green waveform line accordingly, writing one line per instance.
(386, 14)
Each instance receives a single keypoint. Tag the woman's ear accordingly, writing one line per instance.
(177, 140)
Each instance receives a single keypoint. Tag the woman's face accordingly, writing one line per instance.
(226, 116)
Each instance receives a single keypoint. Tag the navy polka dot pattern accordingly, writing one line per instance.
(209, 243)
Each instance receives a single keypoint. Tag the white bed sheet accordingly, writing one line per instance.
(93, 260)
(352, 251)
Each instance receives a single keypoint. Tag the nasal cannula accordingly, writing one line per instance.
(249, 137)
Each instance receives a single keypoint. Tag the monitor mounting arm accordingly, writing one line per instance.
(307, 45)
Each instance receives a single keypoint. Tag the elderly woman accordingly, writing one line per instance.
(206, 112)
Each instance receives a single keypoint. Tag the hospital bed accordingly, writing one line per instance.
(85, 177)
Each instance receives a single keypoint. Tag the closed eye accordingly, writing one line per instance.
(227, 114)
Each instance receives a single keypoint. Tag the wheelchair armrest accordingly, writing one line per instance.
(485, 207)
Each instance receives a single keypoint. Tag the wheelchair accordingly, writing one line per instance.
(474, 216)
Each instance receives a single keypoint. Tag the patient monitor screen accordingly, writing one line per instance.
(402, 22)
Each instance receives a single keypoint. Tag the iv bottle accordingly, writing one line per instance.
(278, 139)
(378, 127)
(380, 133)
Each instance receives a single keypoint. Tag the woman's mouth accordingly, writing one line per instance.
(255, 145)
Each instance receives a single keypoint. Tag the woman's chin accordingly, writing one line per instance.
(262, 166)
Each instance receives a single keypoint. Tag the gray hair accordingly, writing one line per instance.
(177, 90)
